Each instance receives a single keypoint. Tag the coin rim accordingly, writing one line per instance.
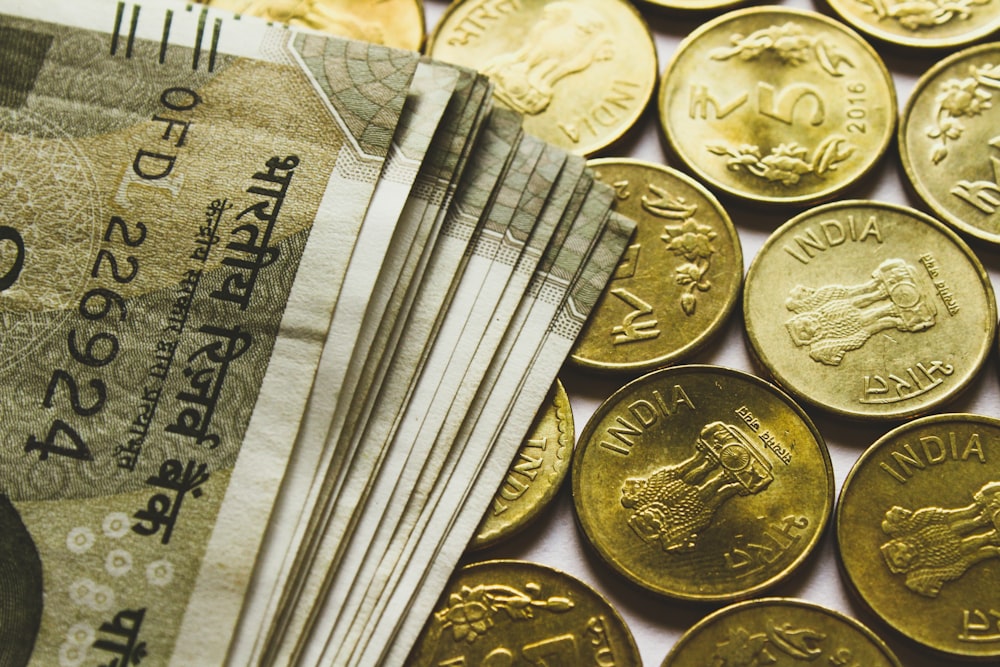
(422, 16)
(714, 616)
(646, 95)
(584, 440)
(905, 157)
(721, 319)
(895, 39)
(893, 434)
(878, 153)
(780, 378)
(506, 531)
(692, 10)
(610, 608)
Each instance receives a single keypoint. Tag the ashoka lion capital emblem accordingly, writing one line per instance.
(834, 319)
(934, 545)
(674, 504)
(567, 40)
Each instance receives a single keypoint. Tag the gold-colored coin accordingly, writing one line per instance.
(780, 632)
(869, 310)
(535, 474)
(396, 23)
(694, 5)
(918, 532)
(679, 279)
(777, 105)
(520, 613)
(949, 141)
(929, 25)
(581, 71)
(702, 483)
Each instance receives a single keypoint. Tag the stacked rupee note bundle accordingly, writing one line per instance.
(276, 311)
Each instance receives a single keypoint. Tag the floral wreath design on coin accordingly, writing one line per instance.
(917, 15)
(789, 42)
(957, 98)
(689, 239)
(787, 163)
(743, 648)
(470, 612)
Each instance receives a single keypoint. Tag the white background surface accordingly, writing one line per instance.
(657, 622)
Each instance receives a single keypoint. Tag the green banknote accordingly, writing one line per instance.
(523, 193)
(376, 264)
(411, 365)
(181, 195)
(435, 189)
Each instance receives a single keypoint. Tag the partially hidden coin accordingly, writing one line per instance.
(949, 140)
(679, 279)
(777, 105)
(692, 5)
(521, 613)
(918, 533)
(702, 483)
(779, 631)
(922, 25)
(869, 310)
(581, 72)
(395, 23)
(536, 473)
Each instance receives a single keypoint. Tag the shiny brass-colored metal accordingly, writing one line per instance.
(869, 310)
(520, 613)
(779, 631)
(396, 23)
(949, 140)
(580, 71)
(694, 5)
(918, 532)
(536, 473)
(777, 105)
(934, 24)
(679, 279)
(702, 483)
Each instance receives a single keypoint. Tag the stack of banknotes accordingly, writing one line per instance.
(277, 310)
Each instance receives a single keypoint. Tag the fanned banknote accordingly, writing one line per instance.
(418, 370)
(429, 94)
(441, 171)
(562, 208)
(527, 188)
(271, 304)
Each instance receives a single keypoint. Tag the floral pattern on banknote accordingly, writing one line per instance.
(931, 545)
(470, 612)
(833, 320)
(110, 567)
(786, 163)
(957, 98)
(689, 240)
(674, 504)
(567, 40)
(39, 293)
(789, 43)
(917, 15)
